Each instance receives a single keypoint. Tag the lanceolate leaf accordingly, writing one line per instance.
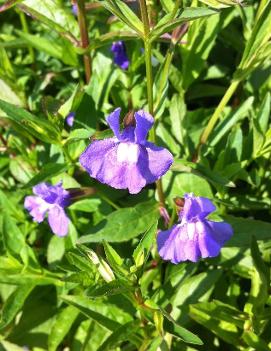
(121, 334)
(125, 14)
(171, 326)
(50, 170)
(38, 127)
(259, 36)
(52, 14)
(61, 326)
(245, 228)
(125, 224)
(141, 253)
(184, 15)
(103, 313)
(15, 303)
(221, 319)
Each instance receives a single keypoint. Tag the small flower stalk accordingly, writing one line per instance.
(128, 160)
(51, 200)
(195, 237)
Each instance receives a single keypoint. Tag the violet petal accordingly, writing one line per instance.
(144, 122)
(58, 220)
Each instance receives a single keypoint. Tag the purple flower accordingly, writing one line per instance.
(70, 119)
(74, 9)
(128, 160)
(120, 56)
(195, 236)
(51, 199)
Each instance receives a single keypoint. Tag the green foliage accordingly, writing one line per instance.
(104, 286)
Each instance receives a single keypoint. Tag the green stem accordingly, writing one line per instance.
(210, 126)
(84, 36)
(149, 76)
(26, 30)
(106, 199)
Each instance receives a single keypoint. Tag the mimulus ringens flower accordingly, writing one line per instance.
(195, 236)
(128, 160)
(120, 56)
(70, 119)
(51, 199)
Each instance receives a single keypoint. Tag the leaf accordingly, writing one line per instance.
(125, 224)
(264, 113)
(79, 134)
(109, 38)
(52, 14)
(66, 107)
(8, 346)
(15, 303)
(201, 39)
(171, 326)
(168, 141)
(168, 5)
(258, 38)
(177, 110)
(38, 127)
(7, 205)
(260, 125)
(161, 84)
(125, 14)
(259, 291)
(179, 184)
(56, 249)
(261, 282)
(112, 255)
(254, 341)
(28, 278)
(61, 327)
(8, 93)
(142, 251)
(60, 49)
(13, 238)
(185, 15)
(95, 310)
(121, 334)
(223, 312)
(218, 323)
(195, 287)
(226, 124)
(86, 205)
(217, 4)
(49, 170)
(115, 287)
(198, 169)
(80, 262)
(245, 228)
(21, 169)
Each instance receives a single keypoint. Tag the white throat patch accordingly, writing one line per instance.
(127, 153)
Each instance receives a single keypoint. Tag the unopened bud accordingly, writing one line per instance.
(103, 267)
(164, 214)
(129, 119)
(178, 33)
(179, 202)
(78, 193)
